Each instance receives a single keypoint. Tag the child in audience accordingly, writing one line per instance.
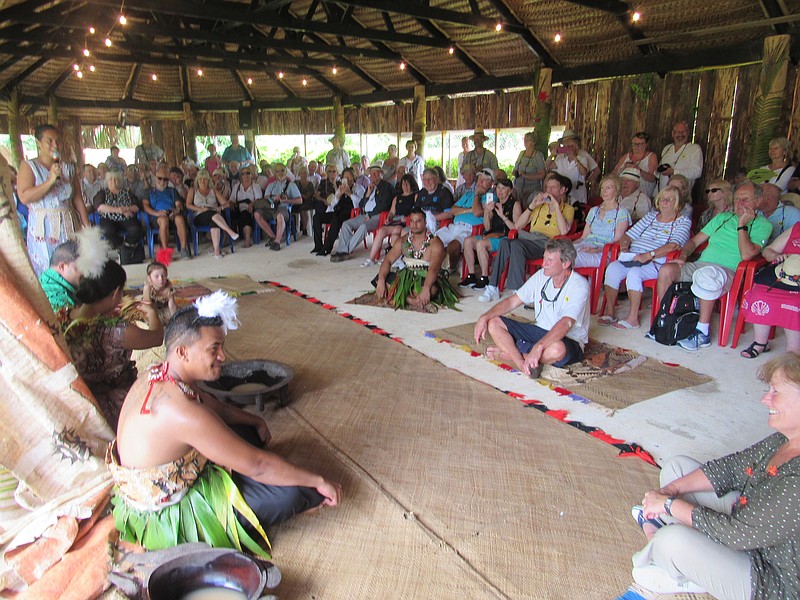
(159, 292)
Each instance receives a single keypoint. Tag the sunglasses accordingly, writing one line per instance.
(246, 173)
(709, 190)
(163, 178)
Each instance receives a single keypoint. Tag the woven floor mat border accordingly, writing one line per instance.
(625, 448)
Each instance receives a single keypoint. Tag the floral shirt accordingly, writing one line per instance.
(765, 521)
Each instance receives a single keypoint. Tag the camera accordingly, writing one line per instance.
(562, 150)
(663, 167)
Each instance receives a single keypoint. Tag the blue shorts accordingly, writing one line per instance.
(526, 335)
(495, 241)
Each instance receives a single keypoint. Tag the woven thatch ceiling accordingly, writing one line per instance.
(281, 53)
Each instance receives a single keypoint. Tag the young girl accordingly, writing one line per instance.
(159, 292)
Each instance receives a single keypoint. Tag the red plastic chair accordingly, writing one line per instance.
(652, 285)
(747, 284)
(476, 230)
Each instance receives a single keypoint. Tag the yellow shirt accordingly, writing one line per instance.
(543, 221)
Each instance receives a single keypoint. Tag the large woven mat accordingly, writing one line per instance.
(611, 376)
(452, 489)
(188, 290)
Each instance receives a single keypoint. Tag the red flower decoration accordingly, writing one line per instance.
(772, 471)
(543, 96)
(742, 500)
(749, 471)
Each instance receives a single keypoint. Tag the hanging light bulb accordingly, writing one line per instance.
(199, 72)
(92, 30)
(451, 51)
(498, 27)
(402, 66)
(123, 20)
(280, 74)
(86, 52)
(108, 42)
(557, 37)
(79, 74)
(334, 70)
(249, 81)
(76, 67)
(91, 68)
(154, 77)
(304, 81)
(636, 16)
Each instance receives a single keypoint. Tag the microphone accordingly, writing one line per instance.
(57, 159)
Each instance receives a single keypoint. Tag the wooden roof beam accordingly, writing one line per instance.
(773, 9)
(133, 80)
(535, 46)
(281, 83)
(352, 66)
(242, 85)
(24, 74)
(622, 11)
(53, 87)
(458, 52)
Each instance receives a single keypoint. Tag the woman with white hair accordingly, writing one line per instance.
(528, 170)
(779, 163)
(119, 213)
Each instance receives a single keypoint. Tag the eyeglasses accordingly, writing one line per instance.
(246, 173)
(709, 190)
(544, 295)
(163, 178)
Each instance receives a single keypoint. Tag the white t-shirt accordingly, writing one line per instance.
(569, 169)
(414, 166)
(686, 160)
(571, 300)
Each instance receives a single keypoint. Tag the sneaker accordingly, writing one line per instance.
(368, 263)
(185, 254)
(659, 581)
(337, 257)
(490, 294)
(482, 283)
(275, 246)
(694, 342)
(468, 281)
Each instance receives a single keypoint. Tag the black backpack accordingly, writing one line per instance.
(677, 316)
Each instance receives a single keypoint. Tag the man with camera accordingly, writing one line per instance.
(681, 157)
(575, 164)
(337, 208)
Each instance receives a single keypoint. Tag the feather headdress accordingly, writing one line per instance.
(92, 252)
(219, 304)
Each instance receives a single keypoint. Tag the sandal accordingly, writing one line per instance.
(637, 512)
(606, 320)
(752, 350)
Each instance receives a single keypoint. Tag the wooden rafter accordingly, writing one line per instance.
(525, 34)
(458, 52)
(23, 75)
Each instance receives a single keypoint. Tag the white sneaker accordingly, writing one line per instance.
(368, 263)
(490, 294)
(659, 581)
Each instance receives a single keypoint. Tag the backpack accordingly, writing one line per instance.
(677, 316)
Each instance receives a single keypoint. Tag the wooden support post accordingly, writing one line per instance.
(420, 118)
(250, 144)
(542, 106)
(338, 118)
(191, 142)
(769, 98)
(52, 111)
(17, 154)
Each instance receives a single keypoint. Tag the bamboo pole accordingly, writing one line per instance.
(542, 106)
(52, 111)
(17, 154)
(769, 98)
(338, 118)
(420, 118)
(188, 119)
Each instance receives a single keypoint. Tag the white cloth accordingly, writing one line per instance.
(782, 177)
(244, 197)
(572, 301)
(686, 160)
(414, 166)
(454, 232)
(569, 169)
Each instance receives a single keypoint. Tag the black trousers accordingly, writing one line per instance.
(113, 231)
(340, 214)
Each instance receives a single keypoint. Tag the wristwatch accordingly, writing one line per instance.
(742, 228)
(668, 505)
(652, 253)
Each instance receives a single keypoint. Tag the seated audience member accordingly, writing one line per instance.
(422, 254)
(159, 292)
(221, 182)
(774, 299)
(119, 216)
(281, 194)
(642, 162)
(60, 281)
(443, 178)
(498, 219)
(313, 176)
(720, 200)
(634, 200)
(101, 341)
(177, 179)
(433, 196)
(101, 171)
(548, 215)
(682, 183)
(396, 220)
(529, 170)
(729, 527)
(302, 212)
(90, 186)
(234, 173)
(175, 447)
(681, 157)
(208, 204)
(362, 178)
(466, 213)
(323, 197)
(338, 208)
(643, 250)
(470, 181)
(561, 300)
(732, 238)
(244, 195)
(164, 206)
(779, 163)
(115, 162)
(605, 224)
(134, 183)
(399, 172)
(575, 164)
(782, 216)
(376, 200)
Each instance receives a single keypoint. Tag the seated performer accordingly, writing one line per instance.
(561, 300)
(422, 282)
(171, 438)
(60, 281)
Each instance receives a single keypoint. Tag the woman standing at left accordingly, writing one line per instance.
(528, 171)
(52, 192)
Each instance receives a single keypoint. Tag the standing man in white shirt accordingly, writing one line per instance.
(680, 157)
(575, 164)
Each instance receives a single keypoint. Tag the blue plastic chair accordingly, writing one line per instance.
(290, 230)
(151, 233)
(195, 230)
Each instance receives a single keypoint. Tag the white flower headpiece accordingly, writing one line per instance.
(219, 304)
(92, 252)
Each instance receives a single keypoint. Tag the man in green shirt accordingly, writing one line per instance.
(60, 281)
(732, 238)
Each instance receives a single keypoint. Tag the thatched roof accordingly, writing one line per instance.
(243, 47)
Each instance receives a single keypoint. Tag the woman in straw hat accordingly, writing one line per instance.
(731, 527)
